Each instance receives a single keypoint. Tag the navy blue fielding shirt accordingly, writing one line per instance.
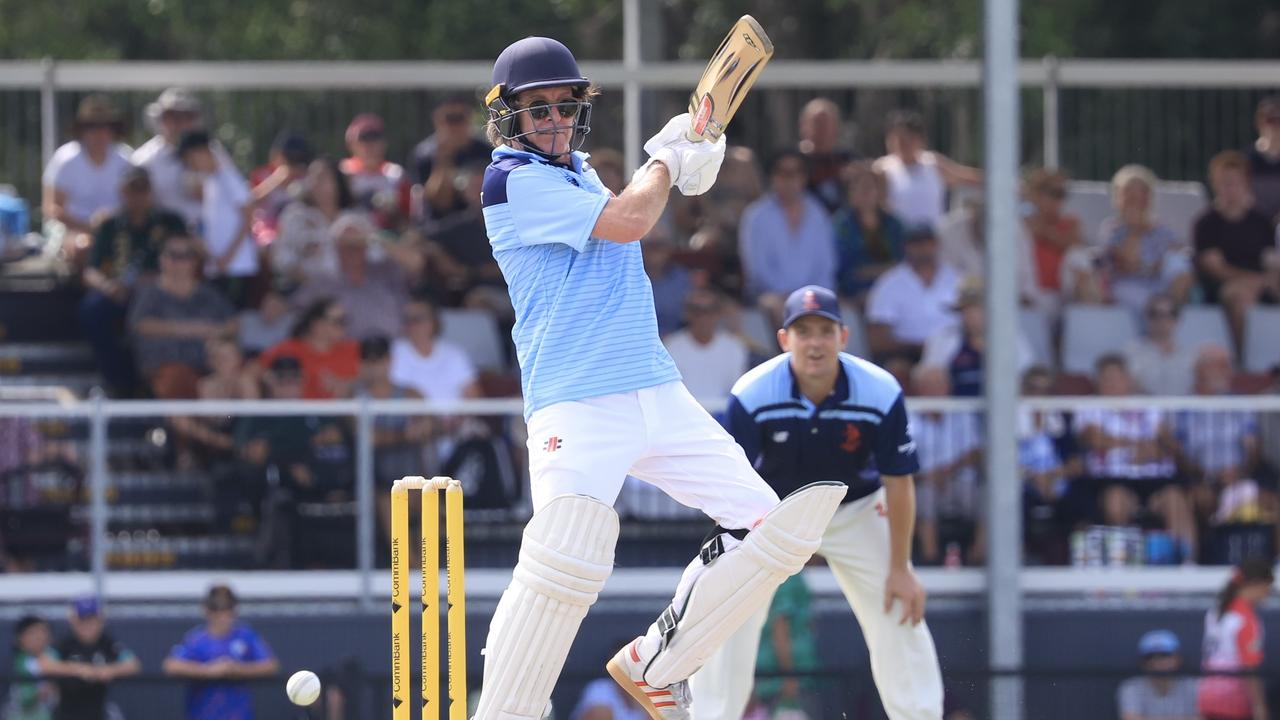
(858, 433)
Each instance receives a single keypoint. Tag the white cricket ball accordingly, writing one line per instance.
(303, 687)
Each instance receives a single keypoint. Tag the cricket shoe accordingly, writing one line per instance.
(668, 703)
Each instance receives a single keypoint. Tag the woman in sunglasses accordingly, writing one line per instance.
(1053, 232)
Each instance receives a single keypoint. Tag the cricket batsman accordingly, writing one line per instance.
(816, 413)
(603, 400)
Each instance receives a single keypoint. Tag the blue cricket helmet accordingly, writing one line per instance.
(527, 64)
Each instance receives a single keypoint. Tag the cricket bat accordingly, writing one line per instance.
(732, 71)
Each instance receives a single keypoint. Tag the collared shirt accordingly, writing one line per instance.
(778, 258)
(858, 433)
(913, 310)
(585, 324)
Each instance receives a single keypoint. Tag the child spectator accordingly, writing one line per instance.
(437, 161)
(869, 238)
(911, 301)
(303, 248)
(1233, 643)
(1053, 233)
(126, 249)
(225, 217)
(1161, 364)
(273, 184)
(1235, 245)
(788, 655)
(1264, 158)
(1155, 695)
(820, 144)
(710, 360)
(329, 360)
(268, 325)
(82, 178)
(218, 657)
(378, 185)
(437, 369)
(918, 178)
(88, 659)
(1143, 256)
(31, 697)
(171, 319)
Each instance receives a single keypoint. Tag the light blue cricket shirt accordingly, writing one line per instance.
(585, 324)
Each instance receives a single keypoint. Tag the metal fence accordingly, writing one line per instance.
(1089, 117)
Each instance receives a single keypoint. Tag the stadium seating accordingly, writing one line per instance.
(476, 332)
(1262, 339)
(1204, 325)
(1036, 328)
(1091, 331)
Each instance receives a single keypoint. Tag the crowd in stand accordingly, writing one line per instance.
(323, 277)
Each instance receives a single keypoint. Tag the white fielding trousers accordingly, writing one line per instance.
(904, 662)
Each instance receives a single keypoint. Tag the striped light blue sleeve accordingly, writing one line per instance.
(547, 207)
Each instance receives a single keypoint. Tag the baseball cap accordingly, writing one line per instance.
(86, 606)
(1158, 642)
(811, 300)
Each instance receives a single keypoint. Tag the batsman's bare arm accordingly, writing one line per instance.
(631, 215)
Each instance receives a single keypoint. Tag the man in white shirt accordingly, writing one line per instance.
(911, 301)
(225, 216)
(178, 189)
(709, 359)
(82, 179)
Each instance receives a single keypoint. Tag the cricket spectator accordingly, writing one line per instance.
(1049, 460)
(1130, 461)
(869, 239)
(459, 261)
(1235, 245)
(31, 695)
(218, 657)
(273, 184)
(911, 301)
(960, 347)
(1264, 159)
(175, 112)
(825, 159)
(87, 660)
(672, 281)
(206, 440)
(918, 178)
(437, 161)
(329, 360)
(962, 244)
(1157, 694)
(608, 164)
(171, 319)
(1052, 232)
(369, 282)
(270, 323)
(303, 248)
(1142, 255)
(378, 185)
(126, 249)
(1159, 363)
(82, 179)
(709, 359)
(785, 238)
(948, 486)
(225, 217)
(436, 368)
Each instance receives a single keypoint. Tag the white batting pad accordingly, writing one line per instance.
(565, 557)
(716, 598)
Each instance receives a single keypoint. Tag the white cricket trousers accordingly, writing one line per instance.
(904, 663)
(660, 435)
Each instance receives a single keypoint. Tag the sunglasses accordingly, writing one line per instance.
(372, 136)
(541, 110)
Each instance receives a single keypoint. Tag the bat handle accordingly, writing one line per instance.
(692, 136)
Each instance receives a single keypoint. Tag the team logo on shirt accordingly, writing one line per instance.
(552, 444)
(852, 438)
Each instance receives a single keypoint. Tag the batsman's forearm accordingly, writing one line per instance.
(631, 215)
(900, 496)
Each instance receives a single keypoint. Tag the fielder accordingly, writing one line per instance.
(603, 400)
(815, 413)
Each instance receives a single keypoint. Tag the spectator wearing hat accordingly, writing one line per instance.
(960, 347)
(218, 657)
(177, 188)
(126, 247)
(1235, 245)
(82, 180)
(379, 186)
(1157, 694)
(225, 217)
(88, 659)
(328, 358)
(785, 238)
(913, 300)
(370, 280)
(869, 238)
(709, 359)
(918, 177)
(438, 163)
(273, 185)
(171, 319)
(1264, 159)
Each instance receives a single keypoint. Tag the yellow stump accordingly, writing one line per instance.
(457, 603)
(400, 670)
(430, 596)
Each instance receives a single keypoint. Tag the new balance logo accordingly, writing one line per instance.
(552, 444)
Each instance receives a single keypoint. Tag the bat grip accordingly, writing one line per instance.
(692, 136)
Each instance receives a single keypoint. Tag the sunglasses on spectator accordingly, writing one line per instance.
(541, 109)
(369, 136)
